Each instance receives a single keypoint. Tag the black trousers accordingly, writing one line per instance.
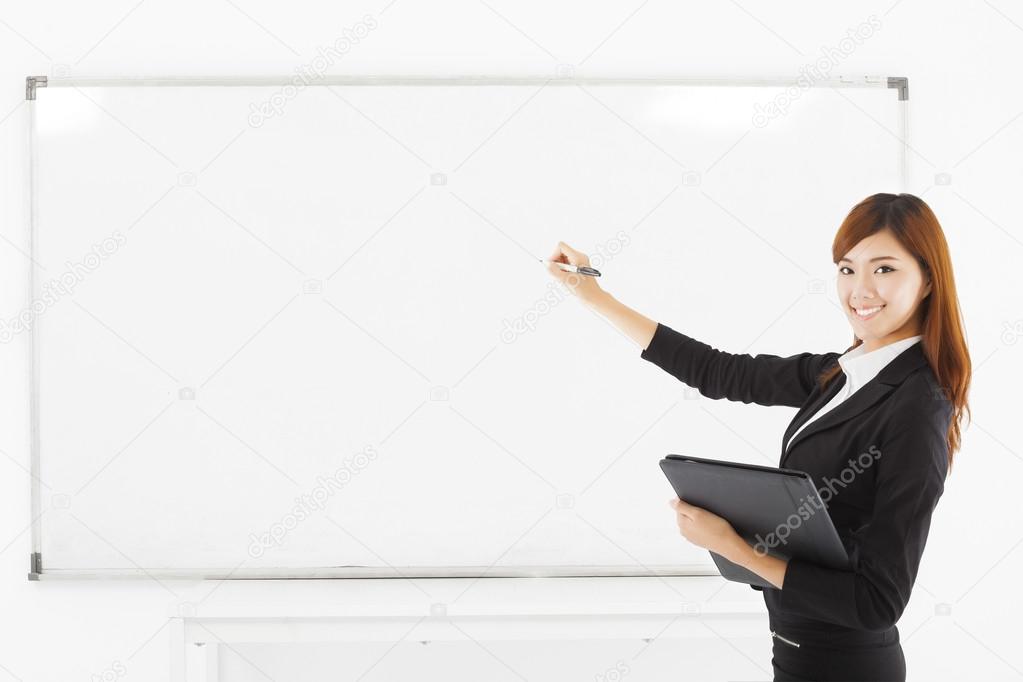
(870, 656)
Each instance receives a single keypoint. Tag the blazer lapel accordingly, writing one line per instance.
(890, 376)
(811, 409)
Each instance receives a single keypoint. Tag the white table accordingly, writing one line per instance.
(217, 614)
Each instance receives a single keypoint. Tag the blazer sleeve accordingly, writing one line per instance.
(763, 379)
(912, 466)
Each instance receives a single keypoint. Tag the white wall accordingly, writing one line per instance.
(966, 122)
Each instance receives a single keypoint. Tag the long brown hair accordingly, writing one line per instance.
(915, 226)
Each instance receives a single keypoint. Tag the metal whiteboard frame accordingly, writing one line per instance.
(33, 83)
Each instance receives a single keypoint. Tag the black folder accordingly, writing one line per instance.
(775, 510)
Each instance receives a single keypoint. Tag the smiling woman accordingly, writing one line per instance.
(900, 292)
(898, 391)
(894, 264)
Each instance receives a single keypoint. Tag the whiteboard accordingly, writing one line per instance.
(289, 331)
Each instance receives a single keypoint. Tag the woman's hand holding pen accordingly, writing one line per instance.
(583, 286)
(634, 325)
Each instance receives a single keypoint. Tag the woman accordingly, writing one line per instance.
(877, 429)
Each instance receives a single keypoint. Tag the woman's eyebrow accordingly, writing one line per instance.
(872, 259)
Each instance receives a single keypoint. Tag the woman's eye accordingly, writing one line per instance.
(846, 267)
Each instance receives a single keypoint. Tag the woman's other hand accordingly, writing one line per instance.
(705, 528)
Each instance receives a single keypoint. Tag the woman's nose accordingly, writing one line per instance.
(863, 295)
(862, 288)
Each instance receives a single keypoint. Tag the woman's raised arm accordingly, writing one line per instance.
(634, 325)
(762, 379)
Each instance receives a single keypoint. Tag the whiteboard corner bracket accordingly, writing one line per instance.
(902, 84)
(35, 566)
(31, 83)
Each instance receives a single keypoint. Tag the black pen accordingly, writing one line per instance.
(578, 269)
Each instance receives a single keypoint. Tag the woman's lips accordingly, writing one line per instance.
(868, 317)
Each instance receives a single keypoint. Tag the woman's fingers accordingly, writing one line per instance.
(574, 257)
(682, 507)
(581, 285)
(557, 257)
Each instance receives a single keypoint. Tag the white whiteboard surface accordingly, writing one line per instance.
(272, 296)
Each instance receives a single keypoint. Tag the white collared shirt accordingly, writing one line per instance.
(860, 367)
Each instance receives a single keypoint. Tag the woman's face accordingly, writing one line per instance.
(880, 272)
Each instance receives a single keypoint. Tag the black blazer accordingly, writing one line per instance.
(879, 460)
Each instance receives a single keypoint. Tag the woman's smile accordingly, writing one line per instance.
(865, 314)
